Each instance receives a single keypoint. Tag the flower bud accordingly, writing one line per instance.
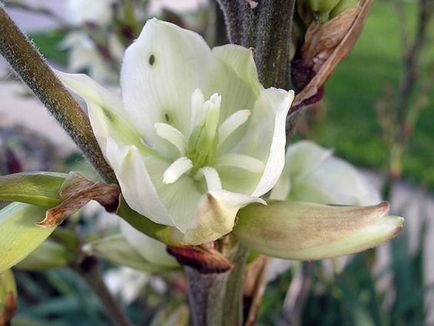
(308, 231)
(48, 255)
(322, 8)
(342, 6)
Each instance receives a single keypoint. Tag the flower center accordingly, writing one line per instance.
(197, 150)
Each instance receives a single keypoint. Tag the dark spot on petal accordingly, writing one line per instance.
(166, 117)
(151, 59)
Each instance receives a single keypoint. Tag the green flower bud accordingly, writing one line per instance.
(322, 8)
(48, 255)
(342, 6)
(308, 231)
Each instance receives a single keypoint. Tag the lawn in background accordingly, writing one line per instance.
(358, 83)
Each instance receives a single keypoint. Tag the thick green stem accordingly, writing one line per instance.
(265, 27)
(216, 299)
(39, 77)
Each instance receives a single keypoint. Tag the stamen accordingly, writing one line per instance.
(232, 123)
(241, 161)
(212, 178)
(177, 169)
(172, 135)
(197, 112)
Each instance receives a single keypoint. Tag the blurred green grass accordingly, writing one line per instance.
(358, 83)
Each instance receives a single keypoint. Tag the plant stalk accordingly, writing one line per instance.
(216, 299)
(89, 271)
(31, 67)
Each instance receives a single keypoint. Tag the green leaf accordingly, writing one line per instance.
(19, 234)
(118, 250)
(37, 188)
(48, 255)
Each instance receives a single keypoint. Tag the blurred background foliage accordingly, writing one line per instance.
(347, 120)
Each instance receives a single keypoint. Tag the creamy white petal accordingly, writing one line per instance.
(160, 72)
(105, 110)
(216, 214)
(240, 60)
(313, 174)
(179, 198)
(336, 182)
(240, 161)
(177, 169)
(304, 157)
(234, 77)
(137, 187)
(152, 250)
(276, 155)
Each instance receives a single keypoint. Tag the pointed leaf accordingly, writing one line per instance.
(37, 188)
(19, 233)
(48, 255)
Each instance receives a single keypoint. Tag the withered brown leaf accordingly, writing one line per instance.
(9, 309)
(203, 259)
(326, 44)
(77, 191)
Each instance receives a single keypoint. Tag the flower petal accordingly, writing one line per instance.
(216, 214)
(137, 187)
(152, 250)
(106, 113)
(313, 174)
(336, 182)
(160, 72)
(276, 155)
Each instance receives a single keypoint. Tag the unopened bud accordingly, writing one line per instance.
(308, 231)
(342, 6)
(321, 8)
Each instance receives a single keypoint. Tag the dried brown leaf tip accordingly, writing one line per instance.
(325, 45)
(204, 260)
(76, 192)
(8, 309)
